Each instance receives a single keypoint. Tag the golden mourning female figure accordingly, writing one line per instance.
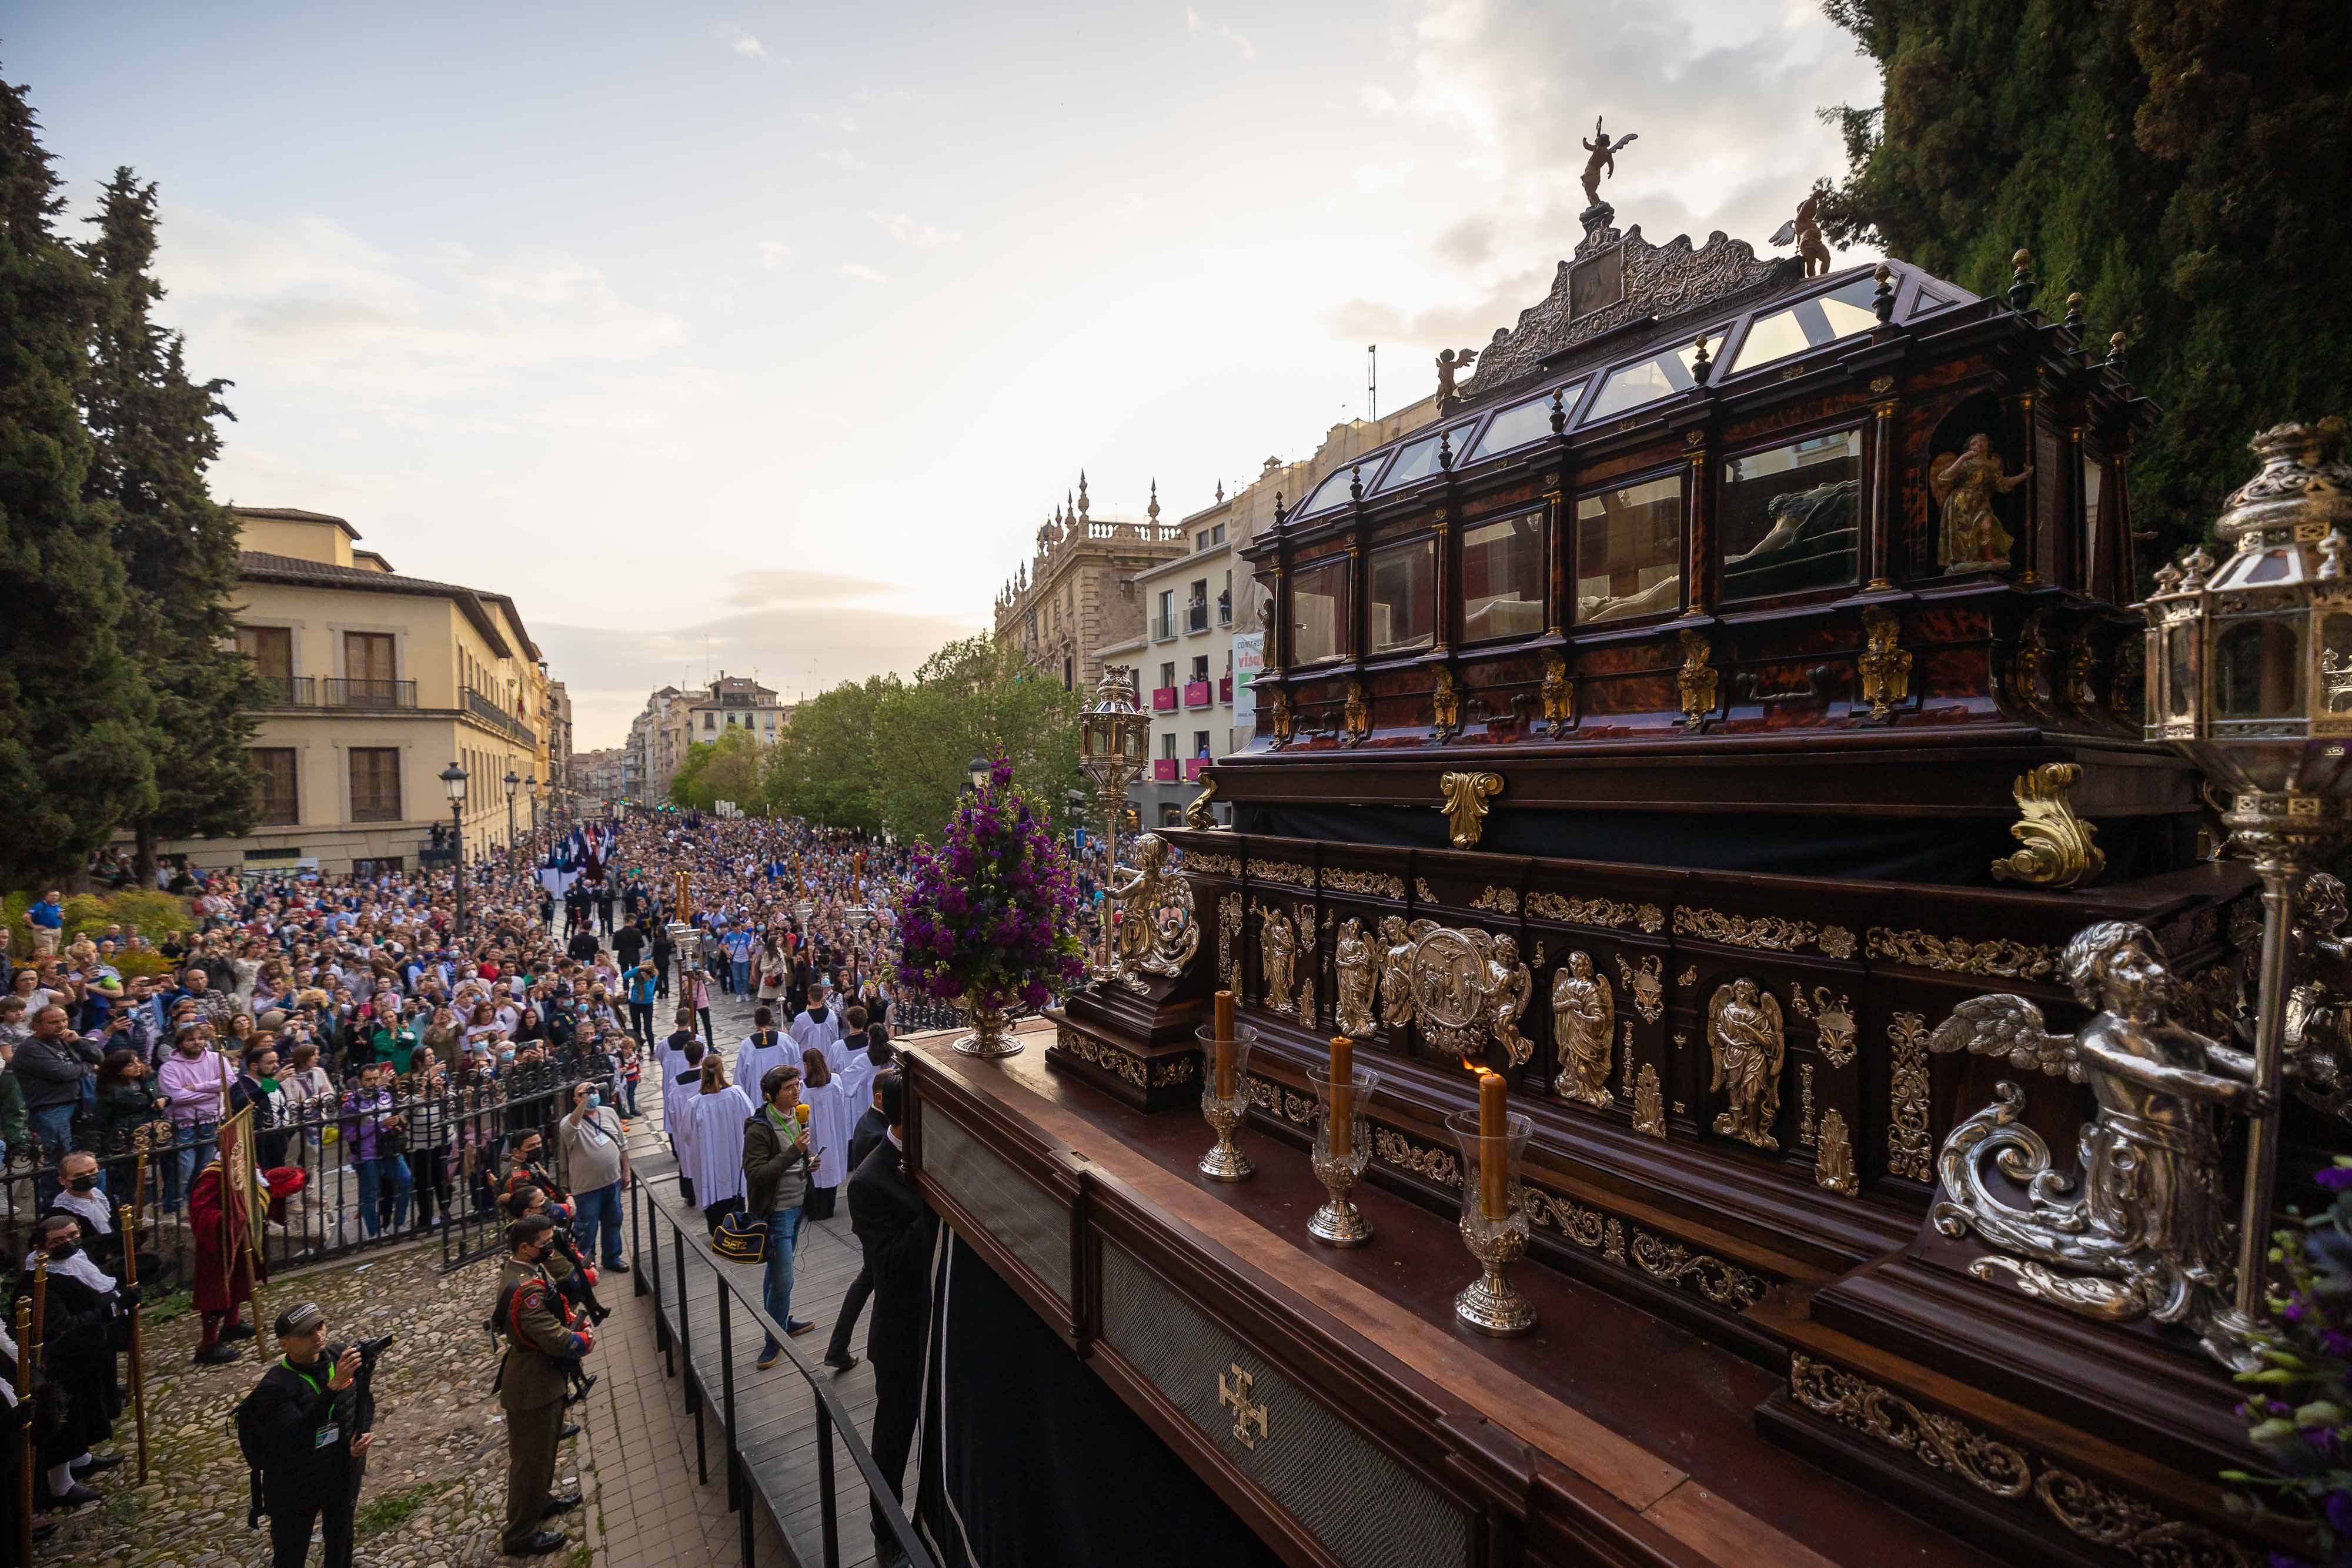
(1584, 1017)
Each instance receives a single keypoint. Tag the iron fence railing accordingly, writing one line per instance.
(449, 1148)
(287, 691)
(669, 1263)
(914, 1012)
(342, 692)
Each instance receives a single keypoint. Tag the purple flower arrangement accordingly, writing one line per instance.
(990, 916)
(2300, 1416)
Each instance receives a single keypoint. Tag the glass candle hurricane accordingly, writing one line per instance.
(1493, 1222)
(1342, 1145)
(1225, 1098)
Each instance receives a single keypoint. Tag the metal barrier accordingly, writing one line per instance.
(448, 1150)
(658, 1233)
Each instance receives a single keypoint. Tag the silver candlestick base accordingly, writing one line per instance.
(1490, 1304)
(1224, 1162)
(1339, 1223)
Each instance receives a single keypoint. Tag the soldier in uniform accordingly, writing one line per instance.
(540, 1339)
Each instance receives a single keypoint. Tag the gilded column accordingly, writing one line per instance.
(1879, 537)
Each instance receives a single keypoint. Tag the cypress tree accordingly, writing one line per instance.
(2179, 162)
(153, 438)
(75, 712)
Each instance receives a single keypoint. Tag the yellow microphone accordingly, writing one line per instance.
(800, 1113)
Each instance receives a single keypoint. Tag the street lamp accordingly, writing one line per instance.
(2249, 677)
(1113, 736)
(512, 784)
(532, 783)
(453, 780)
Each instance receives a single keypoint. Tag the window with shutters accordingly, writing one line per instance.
(275, 766)
(375, 783)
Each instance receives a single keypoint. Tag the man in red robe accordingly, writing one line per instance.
(229, 1259)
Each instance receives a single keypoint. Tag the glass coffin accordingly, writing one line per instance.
(1791, 515)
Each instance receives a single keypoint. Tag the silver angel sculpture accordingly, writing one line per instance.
(1583, 1020)
(1351, 966)
(2142, 1231)
(1396, 972)
(1158, 931)
(1749, 1041)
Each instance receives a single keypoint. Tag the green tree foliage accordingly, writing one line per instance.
(894, 756)
(75, 715)
(2179, 162)
(725, 770)
(153, 438)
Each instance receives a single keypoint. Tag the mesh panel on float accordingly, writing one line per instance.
(1017, 1214)
(1365, 1508)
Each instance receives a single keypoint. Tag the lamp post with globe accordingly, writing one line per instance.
(453, 780)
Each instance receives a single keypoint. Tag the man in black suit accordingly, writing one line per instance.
(897, 1228)
(868, 1132)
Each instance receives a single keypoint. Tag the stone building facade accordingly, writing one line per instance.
(1077, 593)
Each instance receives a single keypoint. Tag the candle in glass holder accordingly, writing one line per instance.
(1343, 1110)
(1225, 1045)
(1493, 1174)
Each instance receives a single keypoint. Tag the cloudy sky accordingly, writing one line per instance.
(767, 336)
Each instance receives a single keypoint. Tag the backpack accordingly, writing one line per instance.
(254, 1446)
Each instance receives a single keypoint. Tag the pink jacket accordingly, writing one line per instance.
(191, 1085)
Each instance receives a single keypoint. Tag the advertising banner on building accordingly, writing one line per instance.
(1249, 658)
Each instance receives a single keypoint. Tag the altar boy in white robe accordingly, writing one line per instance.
(820, 1027)
(831, 1115)
(717, 1113)
(764, 1048)
(681, 1071)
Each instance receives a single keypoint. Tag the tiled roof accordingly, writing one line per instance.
(262, 566)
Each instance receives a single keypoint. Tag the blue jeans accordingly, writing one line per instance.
(195, 1153)
(52, 1130)
(594, 1211)
(776, 1285)
(374, 1175)
(743, 968)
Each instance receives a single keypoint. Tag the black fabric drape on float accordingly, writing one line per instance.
(1867, 849)
(1029, 1460)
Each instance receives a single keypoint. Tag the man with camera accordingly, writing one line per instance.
(306, 1421)
(537, 1327)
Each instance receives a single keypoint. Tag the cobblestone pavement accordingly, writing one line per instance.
(435, 1494)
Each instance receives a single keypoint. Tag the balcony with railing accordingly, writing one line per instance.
(287, 691)
(1196, 694)
(1196, 615)
(1163, 699)
(1225, 607)
(369, 694)
(1162, 627)
(482, 705)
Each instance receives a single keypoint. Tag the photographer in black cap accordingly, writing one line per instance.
(304, 1429)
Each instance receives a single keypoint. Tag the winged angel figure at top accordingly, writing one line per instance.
(2142, 1232)
(1604, 158)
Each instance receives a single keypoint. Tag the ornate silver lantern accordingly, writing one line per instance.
(2250, 676)
(1114, 740)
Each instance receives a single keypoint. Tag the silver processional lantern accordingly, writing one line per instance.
(2250, 676)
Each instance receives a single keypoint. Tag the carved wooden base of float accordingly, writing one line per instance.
(2019, 1486)
(1150, 1078)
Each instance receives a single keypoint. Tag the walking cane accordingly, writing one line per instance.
(138, 1347)
(25, 1471)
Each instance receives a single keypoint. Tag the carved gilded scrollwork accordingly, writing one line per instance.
(1645, 983)
(1229, 928)
(1394, 1148)
(1445, 705)
(1158, 931)
(1559, 694)
(1310, 969)
(1352, 969)
(1749, 1043)
(1906, 1127)
(1834, 1156)
(1203, 862)
(1836, 941)
(1548, 1210)
(1833, 1021)
(1580, 911)
(2058, 851)
(1282, 872)
(1725, 1284)
(1805, 1105)
(1584, 1017)
(1463, 797)
(1499, 900)
(1768, 932)
(1110, 1058)
(1376, 883)
(1697, 681)
(1885, 664)
(1649, 1102)
(1997, 957)
(2140, 1531)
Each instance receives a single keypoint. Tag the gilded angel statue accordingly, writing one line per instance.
(1603, 160)
(1396, 971)
(2141, 1231)
(1157, 934)
(1508, 985)
(1351, 964)
(1748, 1040)
(1964, 488)
(1583, 1018)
